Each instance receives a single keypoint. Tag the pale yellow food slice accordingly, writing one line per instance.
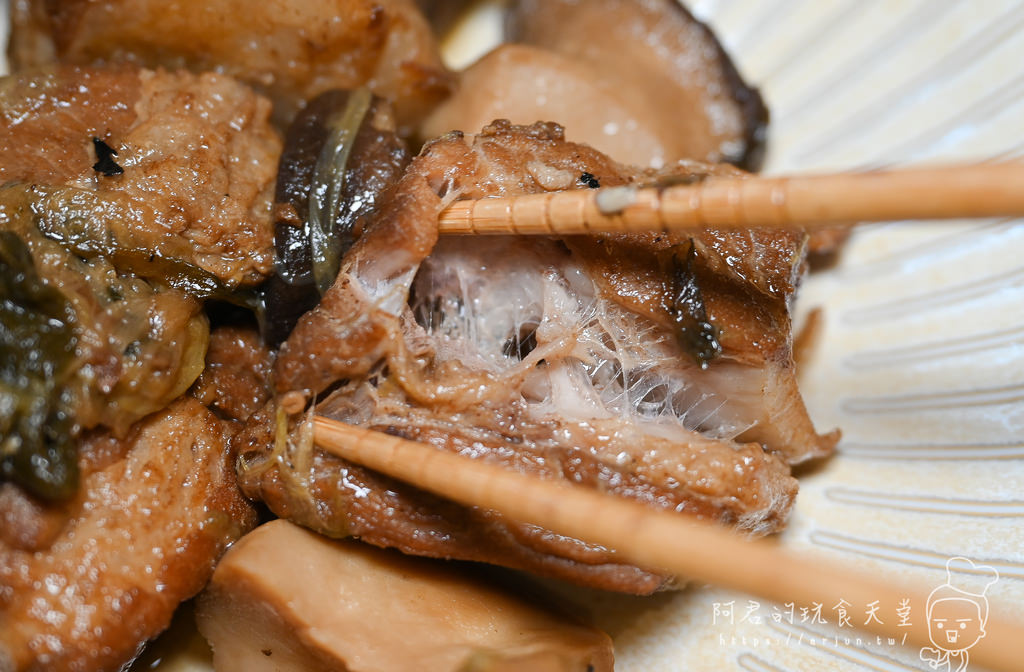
(285, 599)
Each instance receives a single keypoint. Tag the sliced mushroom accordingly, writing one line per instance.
(659, 43)
(285, 598)
(525, 84)
(341, 152)
(654, 87)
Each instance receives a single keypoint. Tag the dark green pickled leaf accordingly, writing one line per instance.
(182, 275)
(78, 221)
(73, 220)
(37, 356)
(694, 331)
(325, 202)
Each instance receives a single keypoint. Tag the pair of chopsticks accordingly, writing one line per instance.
(949, 192)
(655, 538)
(659, 539)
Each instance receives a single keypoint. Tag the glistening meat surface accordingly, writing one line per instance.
(289, 51)
(129, 196)
(197, 154)
(83, 586)
(569, 359)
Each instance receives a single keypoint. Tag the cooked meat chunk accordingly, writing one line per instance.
(27, 523)
(155, 512)
(198, 156)
(640, 80)
(236, 380)
(825, 244)
(129, 196)
(291, 51)
(125, 348)
(747, 281)
(567, 358)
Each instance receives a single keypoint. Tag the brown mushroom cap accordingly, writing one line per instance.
(659, 47)
(525, 84)
(641, 80)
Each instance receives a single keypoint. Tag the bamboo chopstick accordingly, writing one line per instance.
(652, 538)
(976, 190)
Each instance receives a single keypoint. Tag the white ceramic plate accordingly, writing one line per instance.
(921, 360)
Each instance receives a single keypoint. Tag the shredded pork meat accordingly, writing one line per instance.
(564, 358)
(236, 380)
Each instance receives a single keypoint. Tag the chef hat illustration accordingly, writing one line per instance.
(955, 588)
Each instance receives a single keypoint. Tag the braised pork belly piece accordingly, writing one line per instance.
(235, 382)
(289, 51)
(84, 584)
(654, 367)
(127, 162)
(128, 197)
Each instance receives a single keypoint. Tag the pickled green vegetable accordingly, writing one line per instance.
(341, 153)
(83, 224)
(37, 356)
(327, 242)
(124, 335)
(694, 330)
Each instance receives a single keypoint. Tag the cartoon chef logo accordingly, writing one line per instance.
(956, 616)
